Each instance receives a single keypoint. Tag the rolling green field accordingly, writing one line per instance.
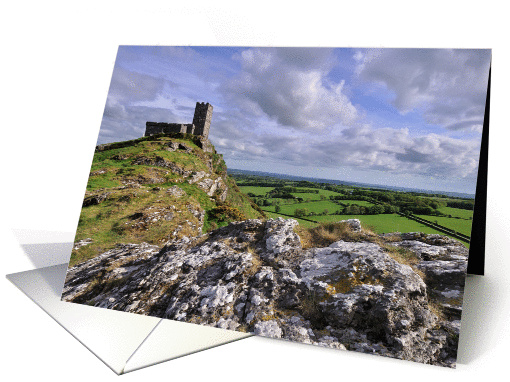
(378, 223)
(358, 202)
(459, 225)
(309, 196)
(312, 195)
(317, 207)
(261, 191)
(383, 223)
(456, 212)
(316, 200)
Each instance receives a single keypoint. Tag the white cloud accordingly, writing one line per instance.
(389, 150)
(267, 89)
(288, 85)
(447, 85)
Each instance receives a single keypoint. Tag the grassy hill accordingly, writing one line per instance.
(156, 189)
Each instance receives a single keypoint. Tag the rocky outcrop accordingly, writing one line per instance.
(82, 243)
(443, 263)
(160, 162)
(354, 224)
(205, 145)
(156, 189)
(175, 191)
(254, 276)
(174, 146)
(210, 183)
(94, 200)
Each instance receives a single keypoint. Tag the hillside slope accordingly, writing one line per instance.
(156, 190)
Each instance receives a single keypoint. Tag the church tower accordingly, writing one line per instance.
(202, 119)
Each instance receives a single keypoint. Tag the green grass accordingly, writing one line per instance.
(106, 181)
(456, 212)
(260, 191)
(459, 225)
(383, 223)
(307, 195)
(118, 162)
(317, 207)
(282, 201)
(358, 202)
(112, 221)
(386, 223)
(237, 198)
(145, 212)
(312, 195)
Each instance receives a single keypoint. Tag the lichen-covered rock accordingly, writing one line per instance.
(444, 264)
(160, 162)
(268, 329)
(254, 276)
(280, 237)
(354, 224)
(210, 184)
(82, 243)
(423, 250)
(175, 191)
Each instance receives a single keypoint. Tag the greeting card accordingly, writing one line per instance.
(327, 196)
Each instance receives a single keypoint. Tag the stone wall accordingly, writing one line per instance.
(190, 128)
(152, 128)
(200, 126)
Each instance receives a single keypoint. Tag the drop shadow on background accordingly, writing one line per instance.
(46, 254)
(49, 254)
(478, 308)
(45, 249)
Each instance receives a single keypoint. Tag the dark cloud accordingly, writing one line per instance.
(448, 85)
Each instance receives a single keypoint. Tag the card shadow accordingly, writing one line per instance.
(41, 255)
(477, 310)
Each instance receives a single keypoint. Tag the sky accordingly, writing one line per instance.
(395, 117)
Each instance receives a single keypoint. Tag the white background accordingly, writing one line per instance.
(56, 62)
